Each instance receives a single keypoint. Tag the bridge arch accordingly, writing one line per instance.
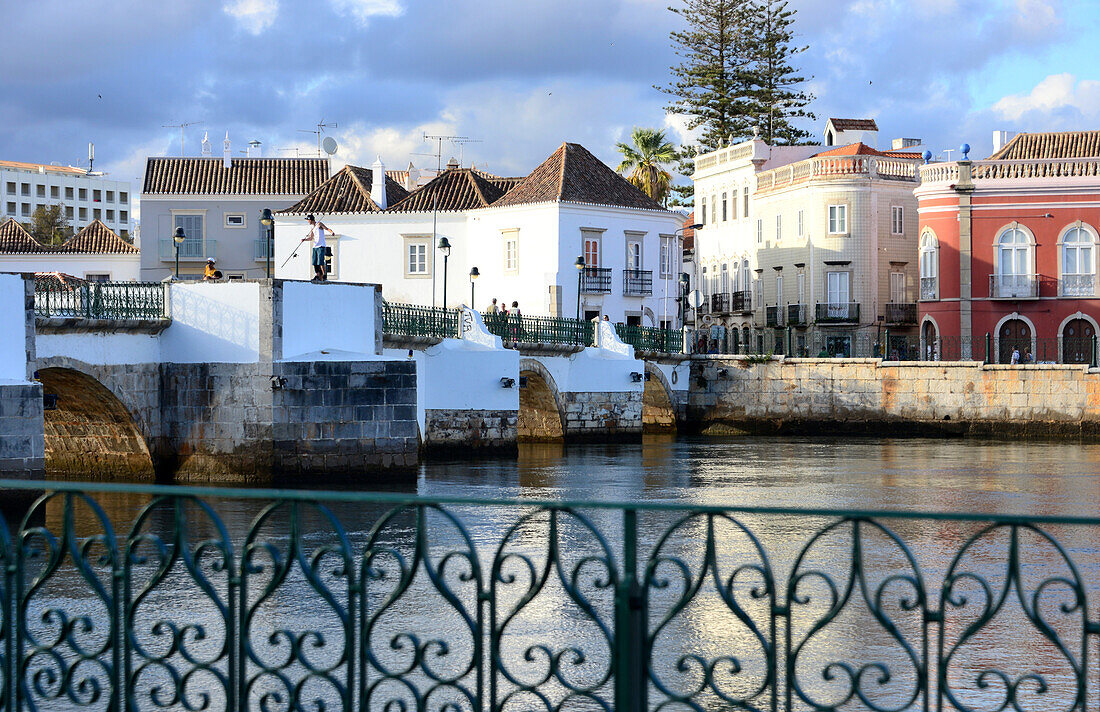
(89, 431)
(540, 411)
(658, 411)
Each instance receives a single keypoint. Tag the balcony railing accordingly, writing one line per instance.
(412, 320)
(1077, 285)
(901, 313)
(741, 302)
(596, 280)
(648, 338)
(929, 289)
(773, 316)
(796, 315)
(262, 249)
(720, 303)
(829, 312)
(99, 300)
(135, 597)
(637, 282)
(191, 250)
(1013, 286)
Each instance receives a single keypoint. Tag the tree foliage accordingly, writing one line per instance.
(645, 156)
(778, 101)
(49, 225)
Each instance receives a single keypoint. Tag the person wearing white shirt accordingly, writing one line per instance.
(316, 235)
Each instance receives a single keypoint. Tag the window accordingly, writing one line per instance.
(897, 223)
(25, 189)
(83, 213)
(838, 219)
(69, 212)
(779, 288)
(83, 193)
(111, 215)
(760, 231)
(25, 208)
(97, 214)
(703, 212)
(193, 230)
(97, 277)
(746, 277)
(1078, 266)
(745, 207)
(724, 214)
(634, 255)
(724, 280)
(11, 208)
(668, 249)
(97, 196)
(55, 191)
(110, 196)
(511, 250)
(713, 210)
(1013, 257)
(238, 277)
(837, 294)
(801, 223)
(124, 198)
(123, 216)
(758, 287)
(898, 288)
(591, 249)
(235, 220)
(778, 228)
(68, 193)
(704, 283)
(801, 287)
(416, 257)
(11, 187)
(929, 266)
(40, 191)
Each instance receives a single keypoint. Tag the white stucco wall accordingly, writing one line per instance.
(329, 317)
(13, 329)
(103, 348)
(213, 322)
(121, 268)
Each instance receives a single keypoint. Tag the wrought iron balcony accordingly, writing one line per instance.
(191, 250)
(929, 289)
(773, 316)
(901, 313)
(596, 280)
(796, 315)
(720, 303)
(741, 302)
(262, 249)
(637, 282)
(837, 313)
(1013, 286)
(1077, 285)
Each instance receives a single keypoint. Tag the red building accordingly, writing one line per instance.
(1008, 252)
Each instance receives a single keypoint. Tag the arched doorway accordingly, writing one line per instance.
(929, 340)
(1014, 335)
(539, 416)
(1077, 341)
(658, 413)
(89, 432)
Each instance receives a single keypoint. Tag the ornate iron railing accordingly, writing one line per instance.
(513, 328)
(929, 289)
(637, 282)
(720, 303)
(901, 313)
(836, 312)
(796, 314)
(649, 338)
(595, 280)
(55, 297)
(773, 316)
(412, 320)
(126, 598)
(1013, 286)
(741, 302)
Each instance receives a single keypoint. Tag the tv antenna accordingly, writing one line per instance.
(181, 127)
(435, 195)
(318, 132)
(460, 142)
(297, 151)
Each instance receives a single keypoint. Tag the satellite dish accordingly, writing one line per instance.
(329, 144)
(695, 298)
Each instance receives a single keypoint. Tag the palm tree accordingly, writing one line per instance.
(646, 157)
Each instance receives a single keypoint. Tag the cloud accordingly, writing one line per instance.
(1052, 100)
(253, 16)
(364, 10)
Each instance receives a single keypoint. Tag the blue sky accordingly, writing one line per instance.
(521, 76)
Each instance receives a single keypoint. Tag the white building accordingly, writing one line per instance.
(524, 235)
(95, 253)
(86, 197)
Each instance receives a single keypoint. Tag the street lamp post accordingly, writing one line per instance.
(445, 248)
(680, 232)
(268, 221)
(579, 264)
(474, 274)
(685, 282)
(178, 238)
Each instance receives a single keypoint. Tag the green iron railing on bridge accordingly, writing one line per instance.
(127, 597)
(516, 328)
(412, 320)
(54, 297)
(650, 338)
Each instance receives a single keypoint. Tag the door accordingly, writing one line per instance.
(929, 342)
(836, 294)
(1077, 342)
(591, 252)
(634, 255)
(898, 288)
(1015, 335)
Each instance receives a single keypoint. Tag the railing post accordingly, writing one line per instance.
(631, 682)
(1092, 361)
(886, 347)
(988, 347)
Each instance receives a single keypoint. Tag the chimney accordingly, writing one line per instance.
(1000, 138)
(452, 164)
(254, 149)
(227, 161)
(378, 183)
(207, 149)
(412, 179)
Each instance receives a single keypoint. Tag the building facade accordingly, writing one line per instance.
(524, 236)
(86, 197)
(218, 203)
(1008, 252)
(95, 254)
(807, 249)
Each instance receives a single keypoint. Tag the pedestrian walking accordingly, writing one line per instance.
(1028, 358)
(1015, 358)
(493, 309)
(316, 235)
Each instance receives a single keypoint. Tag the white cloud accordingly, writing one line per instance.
(253, 16)
(363, 10)
(1038, 16)
(1053, 95)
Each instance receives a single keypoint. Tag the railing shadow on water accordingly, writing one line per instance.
(153, 598)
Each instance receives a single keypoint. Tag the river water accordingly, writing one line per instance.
(856, 605)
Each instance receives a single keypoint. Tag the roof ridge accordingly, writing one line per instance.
(561, 174)
(359, 184)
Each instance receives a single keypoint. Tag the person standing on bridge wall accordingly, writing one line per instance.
(316, 235)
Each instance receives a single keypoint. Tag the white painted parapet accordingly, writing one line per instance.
(16, 330)
(333, 318)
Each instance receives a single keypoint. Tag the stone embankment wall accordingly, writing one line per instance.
(869, 395)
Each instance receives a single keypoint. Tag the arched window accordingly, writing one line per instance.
(704, 283)
(1078, 267)
(929, 267)
(725, 286)
(1014, 276)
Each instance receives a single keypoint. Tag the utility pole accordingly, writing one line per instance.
(181, 127)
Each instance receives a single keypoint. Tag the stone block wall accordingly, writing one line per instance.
(471, 430)
(343, 417)
(602, 416)
(22, 440)
(875, 396)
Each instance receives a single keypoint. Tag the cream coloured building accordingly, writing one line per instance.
(807, 249)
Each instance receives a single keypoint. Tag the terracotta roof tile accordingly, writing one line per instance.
(65, 170)
(854, 124)
(573, 175)
(689, 235)
(245, 176)
(1064, 144)
(97, 238)
(862, 149)
(14, 239)
(347, 192)
(453, 189)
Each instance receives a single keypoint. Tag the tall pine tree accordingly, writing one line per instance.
(778, 100)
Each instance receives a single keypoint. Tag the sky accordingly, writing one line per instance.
(518, 76)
